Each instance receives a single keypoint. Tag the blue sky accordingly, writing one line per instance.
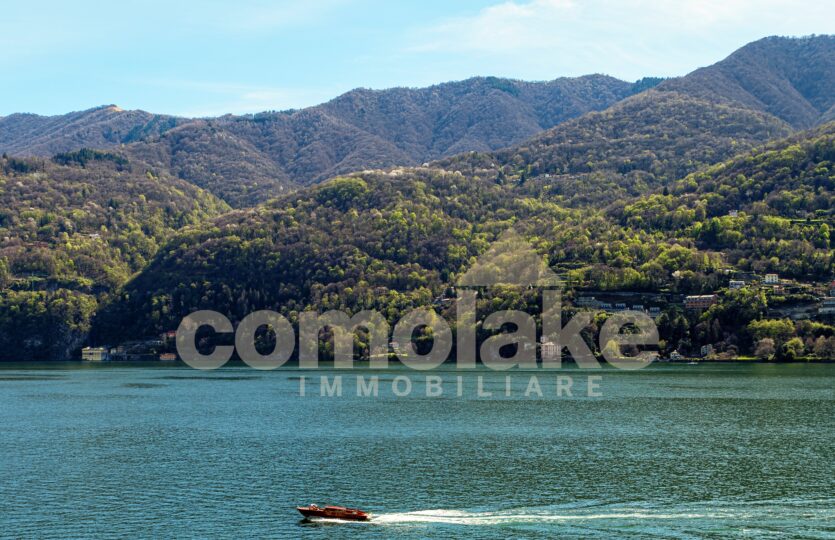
(207, 57)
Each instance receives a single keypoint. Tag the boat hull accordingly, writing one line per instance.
(350, 514)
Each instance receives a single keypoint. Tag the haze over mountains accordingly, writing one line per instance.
(471, 158)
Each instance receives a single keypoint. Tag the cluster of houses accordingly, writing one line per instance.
(591, 302)
(148, 349)
(823, 307)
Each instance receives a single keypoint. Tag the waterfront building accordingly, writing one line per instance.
(95, 354)
(549, 350)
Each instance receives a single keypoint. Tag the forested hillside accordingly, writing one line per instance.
(249, 159)
(100, 127)
(596, 135)
(392, 241)
(791, 79)
(761, 92)
(629, 149)
(73, 230)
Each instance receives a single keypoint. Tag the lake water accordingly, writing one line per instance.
(706, 451)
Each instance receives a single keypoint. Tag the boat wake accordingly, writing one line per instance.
(671, 519)
(460, 517)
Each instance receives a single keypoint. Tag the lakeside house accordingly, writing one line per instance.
(827, 307)
(137, 349)
(736, 284)
(168, 357)
(772, 279)
(95, 354)
(549, 350)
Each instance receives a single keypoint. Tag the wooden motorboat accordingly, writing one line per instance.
(333, 512)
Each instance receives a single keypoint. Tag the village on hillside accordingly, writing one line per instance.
(788, 301)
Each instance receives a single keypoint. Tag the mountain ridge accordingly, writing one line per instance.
(276, 151)
(790, 78)
(673, 129)
(248, 159)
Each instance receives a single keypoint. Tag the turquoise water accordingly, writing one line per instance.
(706, 451)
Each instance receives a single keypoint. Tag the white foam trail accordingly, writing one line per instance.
(458, 517)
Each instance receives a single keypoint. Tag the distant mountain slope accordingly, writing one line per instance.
(210, 157)
(247, 159)
(384, 241)
(601, 141)
(792, 177)
(759, 93)
(373, 129)
(790, 78)
(629, 149)
(101, 127)
(476, 114)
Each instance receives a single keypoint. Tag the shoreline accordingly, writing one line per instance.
(568, 366)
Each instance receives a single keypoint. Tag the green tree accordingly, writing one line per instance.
(5, 274)
(790, 350)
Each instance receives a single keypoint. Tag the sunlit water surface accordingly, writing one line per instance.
(673, 451)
